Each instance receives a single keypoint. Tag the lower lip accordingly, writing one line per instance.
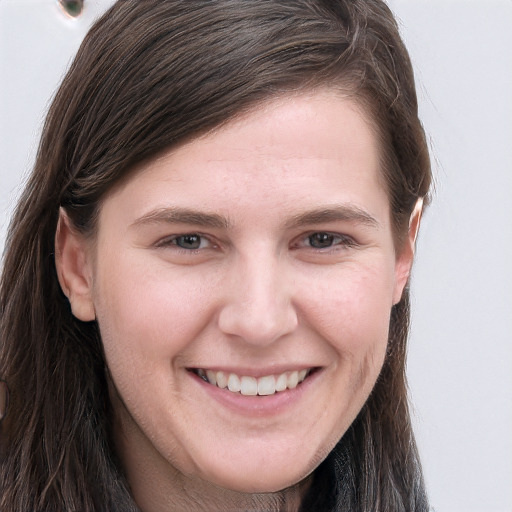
(258, 406)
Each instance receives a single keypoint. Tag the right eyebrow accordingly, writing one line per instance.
(178, 215)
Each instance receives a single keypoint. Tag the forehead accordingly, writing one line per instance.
(309, 148)
(321, 125)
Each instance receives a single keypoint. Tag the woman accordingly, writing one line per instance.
(204, 294)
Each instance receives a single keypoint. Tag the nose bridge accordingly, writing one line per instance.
(258, 305)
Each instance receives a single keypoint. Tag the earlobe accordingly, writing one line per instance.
(73, 268)
(405, 258)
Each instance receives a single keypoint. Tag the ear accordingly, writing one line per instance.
(74, 269)
(405, 258)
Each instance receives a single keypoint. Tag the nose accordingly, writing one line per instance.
(258, 301)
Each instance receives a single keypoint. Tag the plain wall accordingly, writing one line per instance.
(460, 364)
(460, 358)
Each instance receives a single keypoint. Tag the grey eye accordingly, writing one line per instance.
(321, 240)
(72, 8)
(188, 241)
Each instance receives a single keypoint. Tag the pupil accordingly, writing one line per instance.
(189, 241)
(321, 240)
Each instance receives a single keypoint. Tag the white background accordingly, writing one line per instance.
(460, 362)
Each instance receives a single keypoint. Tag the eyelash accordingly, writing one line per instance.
(334, 241)
(173, 241)
(337, 240)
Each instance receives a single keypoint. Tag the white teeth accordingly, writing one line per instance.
(293, 380)
(222, 380)
(234, 383)
(250, 386)
(266, 385)
(281, 382)
(212, 378)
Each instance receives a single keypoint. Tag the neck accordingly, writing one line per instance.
(201, 496)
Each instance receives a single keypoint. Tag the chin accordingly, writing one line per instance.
(266, 477)
(264, 485)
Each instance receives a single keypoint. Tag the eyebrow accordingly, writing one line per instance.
(177, 215)
(345, 213)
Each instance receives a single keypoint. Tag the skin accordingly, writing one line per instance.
(257, 295)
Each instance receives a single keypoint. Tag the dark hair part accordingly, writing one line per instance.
(150, 75)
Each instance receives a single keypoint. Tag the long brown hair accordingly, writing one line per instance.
(149, 75)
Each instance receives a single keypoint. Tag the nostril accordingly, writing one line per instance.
(72, 8)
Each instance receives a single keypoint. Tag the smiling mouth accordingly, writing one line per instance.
(252, 386)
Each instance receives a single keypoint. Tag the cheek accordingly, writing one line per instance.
(146, 320)
(351, 308)
(351, 311)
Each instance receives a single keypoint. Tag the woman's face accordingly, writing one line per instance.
(258, 257)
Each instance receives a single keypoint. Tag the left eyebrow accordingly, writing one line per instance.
(345, 213)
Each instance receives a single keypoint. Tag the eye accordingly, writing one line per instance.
(191, 241)
(325, 240)
(321, 240)
(187, 241)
